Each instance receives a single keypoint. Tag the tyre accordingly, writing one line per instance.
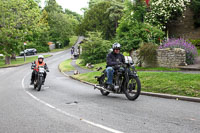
(39, 83)
(132, 88)
(102, 82)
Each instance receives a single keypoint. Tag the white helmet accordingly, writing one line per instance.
(116, 46)
(40, 57)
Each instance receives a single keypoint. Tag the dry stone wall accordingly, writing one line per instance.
(170, 58)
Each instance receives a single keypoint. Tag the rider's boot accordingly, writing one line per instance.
(110, 87)
(32, 82)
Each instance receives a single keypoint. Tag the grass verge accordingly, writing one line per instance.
(66, 66)
(103, 65)
(160, 82)
(20, 61)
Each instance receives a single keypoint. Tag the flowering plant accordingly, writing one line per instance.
(161, 11)
(191, 50)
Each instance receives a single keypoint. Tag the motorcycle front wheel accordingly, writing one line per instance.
(39, 83)
(132, 88)
(102, 83)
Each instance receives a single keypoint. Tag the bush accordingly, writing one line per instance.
(95, 49)
(147, 53)
(195, 43)
(39, 48)
(191, 50)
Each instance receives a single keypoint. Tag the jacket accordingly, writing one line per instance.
(114, 59)
(36, 65)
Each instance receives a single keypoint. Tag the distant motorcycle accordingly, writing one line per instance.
(39, 78)
(125, 81)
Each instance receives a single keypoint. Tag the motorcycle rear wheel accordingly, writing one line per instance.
(133, 88)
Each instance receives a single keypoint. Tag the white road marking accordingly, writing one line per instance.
(67, 114)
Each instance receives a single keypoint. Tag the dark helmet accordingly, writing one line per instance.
(116, 46)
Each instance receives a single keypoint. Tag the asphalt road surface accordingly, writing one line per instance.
(68, 106)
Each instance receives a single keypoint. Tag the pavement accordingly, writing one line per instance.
(194, 67)
(168, 96)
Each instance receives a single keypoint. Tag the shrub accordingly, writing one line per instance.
(191, 50)
(39, 48)
(95, 49)
(195, 42)
(147, 53)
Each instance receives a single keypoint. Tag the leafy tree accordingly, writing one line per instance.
(115, 12)
(52, 6)
(97, 19)
(132, 31)
(17, 19)
(74, 14)
(95, 49)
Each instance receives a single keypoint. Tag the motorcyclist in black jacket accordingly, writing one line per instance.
(114, 59)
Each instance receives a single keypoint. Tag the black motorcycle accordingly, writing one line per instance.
(125, 81)
(39, 78)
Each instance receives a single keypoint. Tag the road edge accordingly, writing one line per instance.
(160, 95)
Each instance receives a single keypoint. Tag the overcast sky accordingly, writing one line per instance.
(73, 5)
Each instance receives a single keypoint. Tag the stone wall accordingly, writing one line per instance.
(170, 58)
(184, 27)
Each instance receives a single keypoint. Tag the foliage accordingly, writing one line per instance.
(17, 20)
(195, 42)
(101, 16)
(132, 31)
(62, 24)
(147, 53)
(162, 11)
(191, 51)
(95, 49)
(195, 6)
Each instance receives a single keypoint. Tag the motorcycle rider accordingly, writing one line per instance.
(35, 65)
(113, 60)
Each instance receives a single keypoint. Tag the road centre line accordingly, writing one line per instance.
(67, 114)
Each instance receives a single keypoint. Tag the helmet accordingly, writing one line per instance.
(40, 57)
(116, 46)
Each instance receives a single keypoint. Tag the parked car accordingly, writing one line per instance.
(31, 51)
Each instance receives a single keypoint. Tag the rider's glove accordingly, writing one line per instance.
(47, 70)
(120, 63)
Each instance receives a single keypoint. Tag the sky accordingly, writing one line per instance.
(73, 5)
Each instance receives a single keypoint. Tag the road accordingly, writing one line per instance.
(65, 105)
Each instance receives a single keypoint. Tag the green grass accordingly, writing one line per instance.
(198, 50)
(20, 61)
(103, 65)
(66, 66)
(156, 69)
(161, 82)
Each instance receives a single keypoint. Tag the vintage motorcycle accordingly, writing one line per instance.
(39, 78)
(125, 81)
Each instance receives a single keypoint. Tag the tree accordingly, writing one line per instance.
(97, 19)
(132, 31)
(52, 6)
(17, 19)
(115, 12)
(95, 49)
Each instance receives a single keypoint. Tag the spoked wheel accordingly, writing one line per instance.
(133, 88)
(102, 83)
